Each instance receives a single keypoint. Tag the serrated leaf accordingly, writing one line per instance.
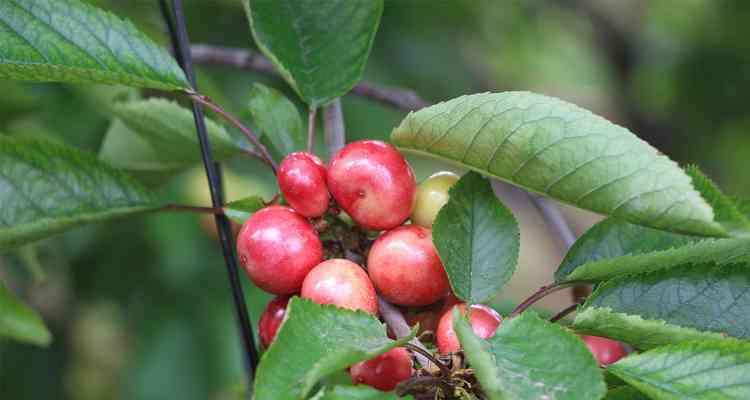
(315, 341)
(477, 238)
(555, 148)
(355, 393)
(319, 47)
(515, 363)
(725, 210)
(19, 322)
(46, 188)
(71, 41)
(625, 393)
(240, 210)
(701, 370)
(278, 119)
(635, 330)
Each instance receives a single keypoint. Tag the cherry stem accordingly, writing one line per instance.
(543, 292)
(195, 209)
(311, 128)
(443, 368)
(565, 311)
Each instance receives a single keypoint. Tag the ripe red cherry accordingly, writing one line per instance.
(271, 319)
(278, 247)
(342, 283)
(405, 267)
(373, 183)
(605, 351)
(484, 322)
(385, 371)
(302, 180)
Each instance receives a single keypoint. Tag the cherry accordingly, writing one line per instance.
(271, 319)
(302, 180)
(385, 371)
(405, 267)
(278, 247)
(373, 183)
(605, 351)
(342, 283)
(432, 194)
(484, 322)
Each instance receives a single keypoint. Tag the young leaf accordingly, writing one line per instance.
(315, 341)
(278, 119)
(725, 210)
(625, 393)
(19, 322)
(46, 188)
(240, 210)
(71, 41)
(557, 149)
(319, 47)
(529, 358)
(477, 238)
(355, 393)
(713, 369)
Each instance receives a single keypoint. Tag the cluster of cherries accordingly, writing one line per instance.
(283, 254)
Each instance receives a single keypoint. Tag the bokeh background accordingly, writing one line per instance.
(140, 308)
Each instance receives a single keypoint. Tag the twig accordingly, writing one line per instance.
(195, 209)
(333, 124)
(543, 292)
(395, 320)
(554, 218)
(565, 311)
(443, 368)
(312, 113)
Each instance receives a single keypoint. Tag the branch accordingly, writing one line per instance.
(542, 293)
(554, 218)
(395, 320)
(333, 124)
(311, 114)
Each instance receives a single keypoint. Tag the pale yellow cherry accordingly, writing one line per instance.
(432, 194)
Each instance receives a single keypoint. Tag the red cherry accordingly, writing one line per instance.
(385, 371)
(373, 183)
(605, 351)
(271, 319)
(484, 322)
(302, 180)
(405, 267)
(278, 247)
(342, 283)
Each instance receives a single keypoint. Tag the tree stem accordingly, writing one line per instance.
(543, 292)
(333, 123)
(311, 114)
(443, 368)
(565, 312)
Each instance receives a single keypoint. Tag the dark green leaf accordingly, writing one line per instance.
(625, 393)
(725, 210)
(558, 149)
(319, 47)
(240, 210)
(46, 188)
(477, 238)
(19, 322)
(278, 119)
(314, 342)
(355, 393)
(529, 358)
(71, 41)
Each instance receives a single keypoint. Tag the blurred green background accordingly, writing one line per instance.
(140, 308)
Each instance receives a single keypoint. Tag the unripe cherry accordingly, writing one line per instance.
(432, 194)
(385, 371)
(302, 181)
(278, 247)
(271, 319)
(373, 183)
(605, 351)
(405, 267)
(483, 320)
(342, 283)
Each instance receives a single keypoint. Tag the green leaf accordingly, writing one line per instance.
(477, 238)
(315, 341)
(625, 393)
(635, 330)
(319, 47)
(240, 210)
(529, 358)
(702, 370)
(725, 210)
(71, 41)
(559, 150)
(19, 322)
(46, 188)
(743, 206)
(355, 393)
(278, 119)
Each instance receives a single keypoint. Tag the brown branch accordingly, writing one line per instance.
(312, 113)
(542, 293)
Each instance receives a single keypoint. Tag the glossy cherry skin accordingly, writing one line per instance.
(432, 194)
(342, 283)
(373, 183)
(385, 371)
(405, 267)
(271, 319)
(484, 322)
(605, 351)
(302, 181)
(278, 247)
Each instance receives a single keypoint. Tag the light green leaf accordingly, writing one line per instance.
(726, 212)
(316, 341)
(240, 210)
(46, 188)
(278, 119)
(516, 362)
(477, 238)
(71, 41)
(319, 47)
(701, 370)
(355, 393)
(557, 149)
(19, 322)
